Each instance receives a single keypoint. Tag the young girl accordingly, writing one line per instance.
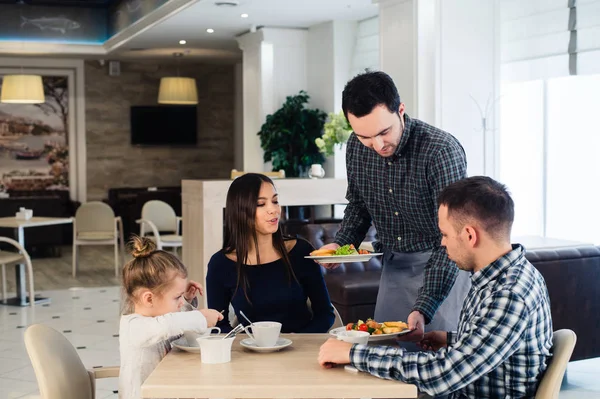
(161, 297)
(261, 273)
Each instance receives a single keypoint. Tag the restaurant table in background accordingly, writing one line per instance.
(290, 373)
(20, 224)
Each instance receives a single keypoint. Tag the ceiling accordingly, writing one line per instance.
(191, 24)
(63, 3)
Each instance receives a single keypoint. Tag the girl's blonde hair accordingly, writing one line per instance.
(150, 268)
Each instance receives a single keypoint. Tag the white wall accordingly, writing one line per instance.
(468, 66)
(366, 50)
(321, 66)
(274, 67)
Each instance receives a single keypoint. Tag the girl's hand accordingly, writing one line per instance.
(191, 290)
(212, 316)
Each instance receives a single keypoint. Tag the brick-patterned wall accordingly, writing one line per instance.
(113, 162)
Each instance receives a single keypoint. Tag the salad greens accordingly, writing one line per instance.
(347, 249)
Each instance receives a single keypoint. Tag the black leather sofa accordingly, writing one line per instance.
(572, 276)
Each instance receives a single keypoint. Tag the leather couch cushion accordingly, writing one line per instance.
(353, 288)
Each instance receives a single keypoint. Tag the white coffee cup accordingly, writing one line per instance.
(214, 350)
(316, 171)
(192, 336)
(264, 333)
(354, 337)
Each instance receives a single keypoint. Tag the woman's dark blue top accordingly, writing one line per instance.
(273, 296)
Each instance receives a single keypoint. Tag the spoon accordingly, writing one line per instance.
(245, 317)
(234, 332)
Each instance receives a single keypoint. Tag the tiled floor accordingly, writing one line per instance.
(89, 318)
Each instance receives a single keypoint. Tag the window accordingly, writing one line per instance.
(549, 156)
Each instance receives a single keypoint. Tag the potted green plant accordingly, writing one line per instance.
(337, 131)
(288, 136)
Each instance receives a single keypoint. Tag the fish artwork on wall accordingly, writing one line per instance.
(57, 24)
(133, 5)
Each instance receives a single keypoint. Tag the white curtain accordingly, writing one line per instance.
(588, 37)
(535, 38)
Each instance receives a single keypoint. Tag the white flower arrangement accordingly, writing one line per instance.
(337, 130)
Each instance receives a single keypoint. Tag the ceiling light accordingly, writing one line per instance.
(22, 89)
(244, 15)
(182, 42)
(210, 30)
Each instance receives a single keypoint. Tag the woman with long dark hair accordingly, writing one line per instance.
(259, 271)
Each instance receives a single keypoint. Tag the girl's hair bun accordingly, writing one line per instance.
(141, 247)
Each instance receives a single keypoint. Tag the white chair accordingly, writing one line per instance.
(563, 343)
(10, 258)
(95, 224)
(160, 217)
(58, 368)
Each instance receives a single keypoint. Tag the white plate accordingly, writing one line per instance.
(248, 343)
(372, 338)
(343, 258)
(182, 344)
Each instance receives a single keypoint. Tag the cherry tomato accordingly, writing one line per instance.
(349, 326)
(363, 327)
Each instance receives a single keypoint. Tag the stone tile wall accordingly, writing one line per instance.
(113, 162)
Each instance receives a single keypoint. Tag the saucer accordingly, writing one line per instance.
(181, 344)
(248, 343)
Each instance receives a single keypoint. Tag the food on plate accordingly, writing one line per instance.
(348, 249)
(322, 252)
(375, 328)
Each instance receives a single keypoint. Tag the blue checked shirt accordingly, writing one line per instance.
(500, 349)
(399, 194)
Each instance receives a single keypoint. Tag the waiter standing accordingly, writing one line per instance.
(396, 167)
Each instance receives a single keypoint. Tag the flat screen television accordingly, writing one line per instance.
(169, 125)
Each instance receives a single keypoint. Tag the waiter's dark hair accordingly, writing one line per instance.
(483, 199)
(368, 90)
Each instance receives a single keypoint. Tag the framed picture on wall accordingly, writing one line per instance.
(34, 140)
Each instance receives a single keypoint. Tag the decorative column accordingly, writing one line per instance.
(274, 67)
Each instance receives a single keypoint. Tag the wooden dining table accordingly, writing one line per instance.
(292, 372)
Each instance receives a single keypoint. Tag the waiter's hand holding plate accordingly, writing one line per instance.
(331, 255)
(327, 250)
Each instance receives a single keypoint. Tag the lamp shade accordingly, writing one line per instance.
(175, 90)
(22, 89)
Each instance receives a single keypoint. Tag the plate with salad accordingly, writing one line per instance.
(379, 331)
(345, 253)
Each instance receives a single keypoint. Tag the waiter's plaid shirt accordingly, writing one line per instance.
(500, 349)
(399, 194)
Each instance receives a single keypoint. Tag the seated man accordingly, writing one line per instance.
(504, 333)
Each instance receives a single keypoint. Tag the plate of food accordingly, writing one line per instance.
(345, 253)
(379, 331)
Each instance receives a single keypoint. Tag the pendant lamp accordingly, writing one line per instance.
(177, 90)
(22, 89)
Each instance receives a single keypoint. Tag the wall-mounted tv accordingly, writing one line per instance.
(170, 125)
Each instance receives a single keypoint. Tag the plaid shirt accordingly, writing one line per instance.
(399, 194)
(500, 349)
